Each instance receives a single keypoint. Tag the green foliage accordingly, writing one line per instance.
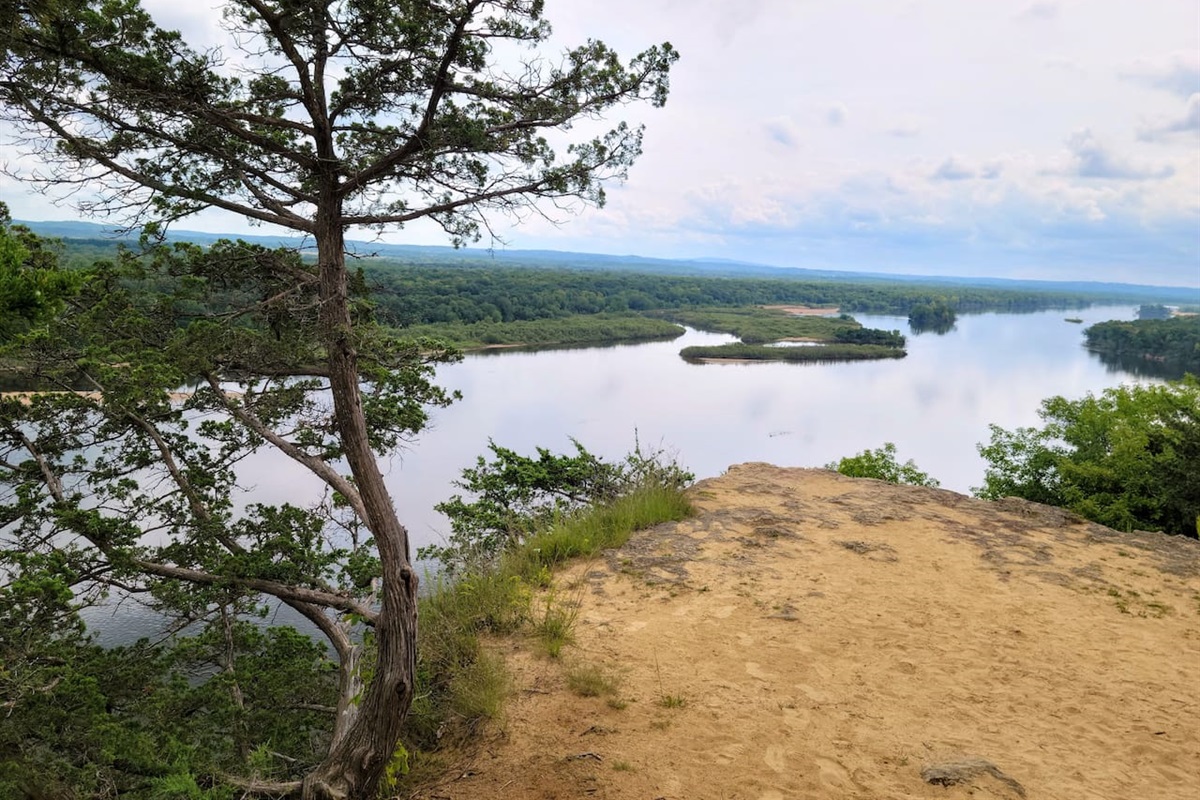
(601, 527)
(418, 292)
(1172, 342)
(882, 464)
(515, 497)
(579, 329)
(937, 316)
(816, 353)
(129, 485)
(1127, 459)
(1153, 312)
(761, 325)
(33, 287)
(319, 117)
(458, 683)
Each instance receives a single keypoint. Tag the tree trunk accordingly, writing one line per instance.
(358, 757)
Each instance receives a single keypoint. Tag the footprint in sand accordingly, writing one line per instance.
(815, 695)
(796, 719)
(833, 774)
(754, 670)
(774, 758)
(729, 754)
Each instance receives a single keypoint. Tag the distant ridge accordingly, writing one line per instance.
(433, 255)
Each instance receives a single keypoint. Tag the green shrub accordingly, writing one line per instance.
(882, 465)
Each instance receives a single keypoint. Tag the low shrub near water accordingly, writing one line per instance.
(882, 465)
(514, 499)
(527, 516)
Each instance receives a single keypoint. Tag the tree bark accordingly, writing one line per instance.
(357, 759)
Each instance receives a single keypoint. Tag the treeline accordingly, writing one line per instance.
(1175, 341)
(407, 294)
(414, 295)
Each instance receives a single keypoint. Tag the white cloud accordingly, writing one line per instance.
(1039, 11)
(908, 127)
(782, 130)
(755, 156)
(1168, 128)
(954, 169)
(1177, 72)
(1092, 159)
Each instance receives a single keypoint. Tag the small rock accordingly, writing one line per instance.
(969, 771)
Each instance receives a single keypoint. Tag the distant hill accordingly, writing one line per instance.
(700, 267)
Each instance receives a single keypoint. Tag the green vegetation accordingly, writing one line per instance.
(760, 325)
(937, 316)
(498, 570)
(882, 465)
(1126, 459)
(531, 502)
(1174, 342)
(578, 329)
(1153, 311)
(841, 338)
(318, 117)
(591, 680)
(415, 293)
(32, 287)
(815, 353)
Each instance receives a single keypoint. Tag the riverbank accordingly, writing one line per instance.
(810, 635)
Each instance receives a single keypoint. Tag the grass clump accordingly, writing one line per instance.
(592, 680)
(597, 528)
(554, 629)
(672, 701)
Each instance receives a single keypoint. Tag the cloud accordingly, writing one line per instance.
(1165, 129)
(1039, 11)
(907, 128)
(991, 170)
(836, 115)
(1064, 64)
(1177, 72)
(1091, 159)
(783, 131)
(953, 169)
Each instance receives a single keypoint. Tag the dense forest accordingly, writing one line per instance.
(1174, 341)
(408, 295)
(414, 293)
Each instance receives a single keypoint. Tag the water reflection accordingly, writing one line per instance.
(935, 405)
(1142, 365)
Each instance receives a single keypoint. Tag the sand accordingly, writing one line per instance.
(812, 636)
(806, 311)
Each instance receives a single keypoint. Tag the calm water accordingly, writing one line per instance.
(935, 405)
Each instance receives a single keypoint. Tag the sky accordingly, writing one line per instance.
(1053, 139)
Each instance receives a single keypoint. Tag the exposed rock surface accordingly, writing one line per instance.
(808, 635)
(971, 772)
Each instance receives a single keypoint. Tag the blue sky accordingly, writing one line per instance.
(1055, 139)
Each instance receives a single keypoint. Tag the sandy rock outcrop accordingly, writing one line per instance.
(808, 635)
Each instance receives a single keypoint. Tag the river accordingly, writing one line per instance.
(935, 405)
